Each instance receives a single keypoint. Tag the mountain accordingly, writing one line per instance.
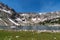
(5, 13)
(9, 17)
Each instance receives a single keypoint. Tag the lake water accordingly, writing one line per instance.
(32, 27)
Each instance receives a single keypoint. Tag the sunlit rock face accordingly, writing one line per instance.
(9, 17)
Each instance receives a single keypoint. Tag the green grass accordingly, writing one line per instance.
(11, 35)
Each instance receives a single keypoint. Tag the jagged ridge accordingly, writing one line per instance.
(9, 17)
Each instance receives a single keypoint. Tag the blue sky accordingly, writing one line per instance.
(33, 5)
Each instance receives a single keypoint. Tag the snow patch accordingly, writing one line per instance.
(18, 19)
(13, 21)
(0, 19)
(5, 11)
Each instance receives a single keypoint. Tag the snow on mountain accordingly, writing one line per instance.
(13, 21)
(9, 16)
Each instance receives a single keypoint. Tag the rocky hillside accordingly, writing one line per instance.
(9, 17)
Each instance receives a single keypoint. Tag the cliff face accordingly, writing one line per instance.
(5, 13)
(9, 17)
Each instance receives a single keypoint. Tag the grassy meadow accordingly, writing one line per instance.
(27, 35)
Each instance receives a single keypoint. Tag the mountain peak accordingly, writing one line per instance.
(6, 9)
